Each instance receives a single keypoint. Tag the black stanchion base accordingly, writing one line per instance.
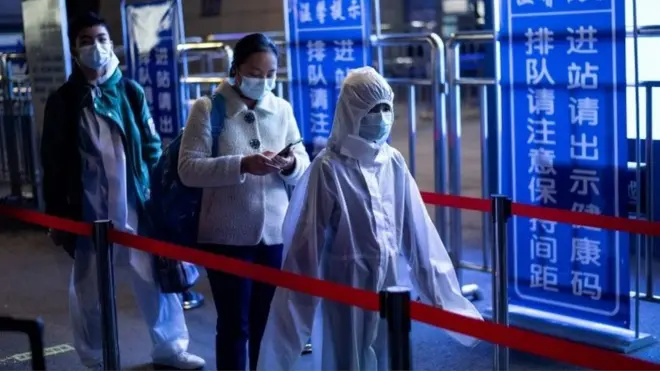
(191, 300)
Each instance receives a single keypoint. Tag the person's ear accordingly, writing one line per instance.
(74, 49)
(233, 74)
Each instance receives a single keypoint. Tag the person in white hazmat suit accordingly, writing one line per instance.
(351, 216)
(98, 145)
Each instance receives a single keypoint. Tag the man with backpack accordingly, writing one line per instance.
(99, 145)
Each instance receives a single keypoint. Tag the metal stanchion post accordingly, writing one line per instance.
(34, 329)
(395, 308)
(106, 286)
(500, 215)
(37, 345)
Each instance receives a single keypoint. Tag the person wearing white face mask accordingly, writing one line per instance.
(98, 147)
(244, 194)
(351, 216)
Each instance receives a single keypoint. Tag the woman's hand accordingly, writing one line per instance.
(286, 161)
(259, 164)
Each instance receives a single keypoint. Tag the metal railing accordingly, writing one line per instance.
(455, 82)
(17, 139)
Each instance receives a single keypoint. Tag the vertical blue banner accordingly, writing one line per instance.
(151, 35)
(326, 39)
(564, 102)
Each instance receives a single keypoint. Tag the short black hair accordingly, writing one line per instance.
(248, 45)
(82, 22)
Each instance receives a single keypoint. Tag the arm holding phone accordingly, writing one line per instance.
(291, 161)
(293, 157)
(284, 160)
(268, 162)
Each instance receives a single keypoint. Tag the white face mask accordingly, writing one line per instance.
(376, 127)
(95, 56)
(255, 88)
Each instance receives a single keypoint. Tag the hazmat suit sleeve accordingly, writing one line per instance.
(292, 313)
(196, 166)
(431, 270)
(298, 151)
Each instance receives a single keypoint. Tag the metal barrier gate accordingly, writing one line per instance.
(18, 174)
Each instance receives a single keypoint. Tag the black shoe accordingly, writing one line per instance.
(307, 349)
(191, 300)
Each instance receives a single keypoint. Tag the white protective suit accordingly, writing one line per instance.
(106, 197)
(351, 216)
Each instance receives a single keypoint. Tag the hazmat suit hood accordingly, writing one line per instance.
(362, 90)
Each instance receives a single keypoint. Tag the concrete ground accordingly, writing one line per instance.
(35, 276)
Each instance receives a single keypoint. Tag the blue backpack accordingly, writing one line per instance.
(173, 208)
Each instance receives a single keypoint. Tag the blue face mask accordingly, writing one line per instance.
(376, 127)
(95, 56)
(255, 88)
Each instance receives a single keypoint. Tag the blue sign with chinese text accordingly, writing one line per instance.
(151, 35)
(326, 39)
(563, 100)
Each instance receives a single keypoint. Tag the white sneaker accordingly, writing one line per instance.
(182, 361)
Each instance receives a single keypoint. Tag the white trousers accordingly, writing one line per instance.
(162, 313)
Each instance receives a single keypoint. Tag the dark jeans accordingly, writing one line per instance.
(242, 306)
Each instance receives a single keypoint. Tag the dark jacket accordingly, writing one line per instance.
(122, 103)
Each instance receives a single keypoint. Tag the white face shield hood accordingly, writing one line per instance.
(362, 90)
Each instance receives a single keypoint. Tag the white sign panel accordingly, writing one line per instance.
(47, 51)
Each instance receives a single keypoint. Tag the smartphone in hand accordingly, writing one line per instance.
(288, 147)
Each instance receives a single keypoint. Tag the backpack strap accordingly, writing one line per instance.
(217, 120)
(135, 103)
(133, 98)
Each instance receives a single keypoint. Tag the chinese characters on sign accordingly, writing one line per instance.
(326, 38)
(156, 71)
(47, 51)
(567, 111)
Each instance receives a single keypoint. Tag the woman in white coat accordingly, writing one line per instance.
(351, 216)
(245, 196)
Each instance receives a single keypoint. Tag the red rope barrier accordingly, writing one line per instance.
(547, 213)
(526, 341)
(554, 348)
(46, 221)
(458, 202)
(329, 290)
